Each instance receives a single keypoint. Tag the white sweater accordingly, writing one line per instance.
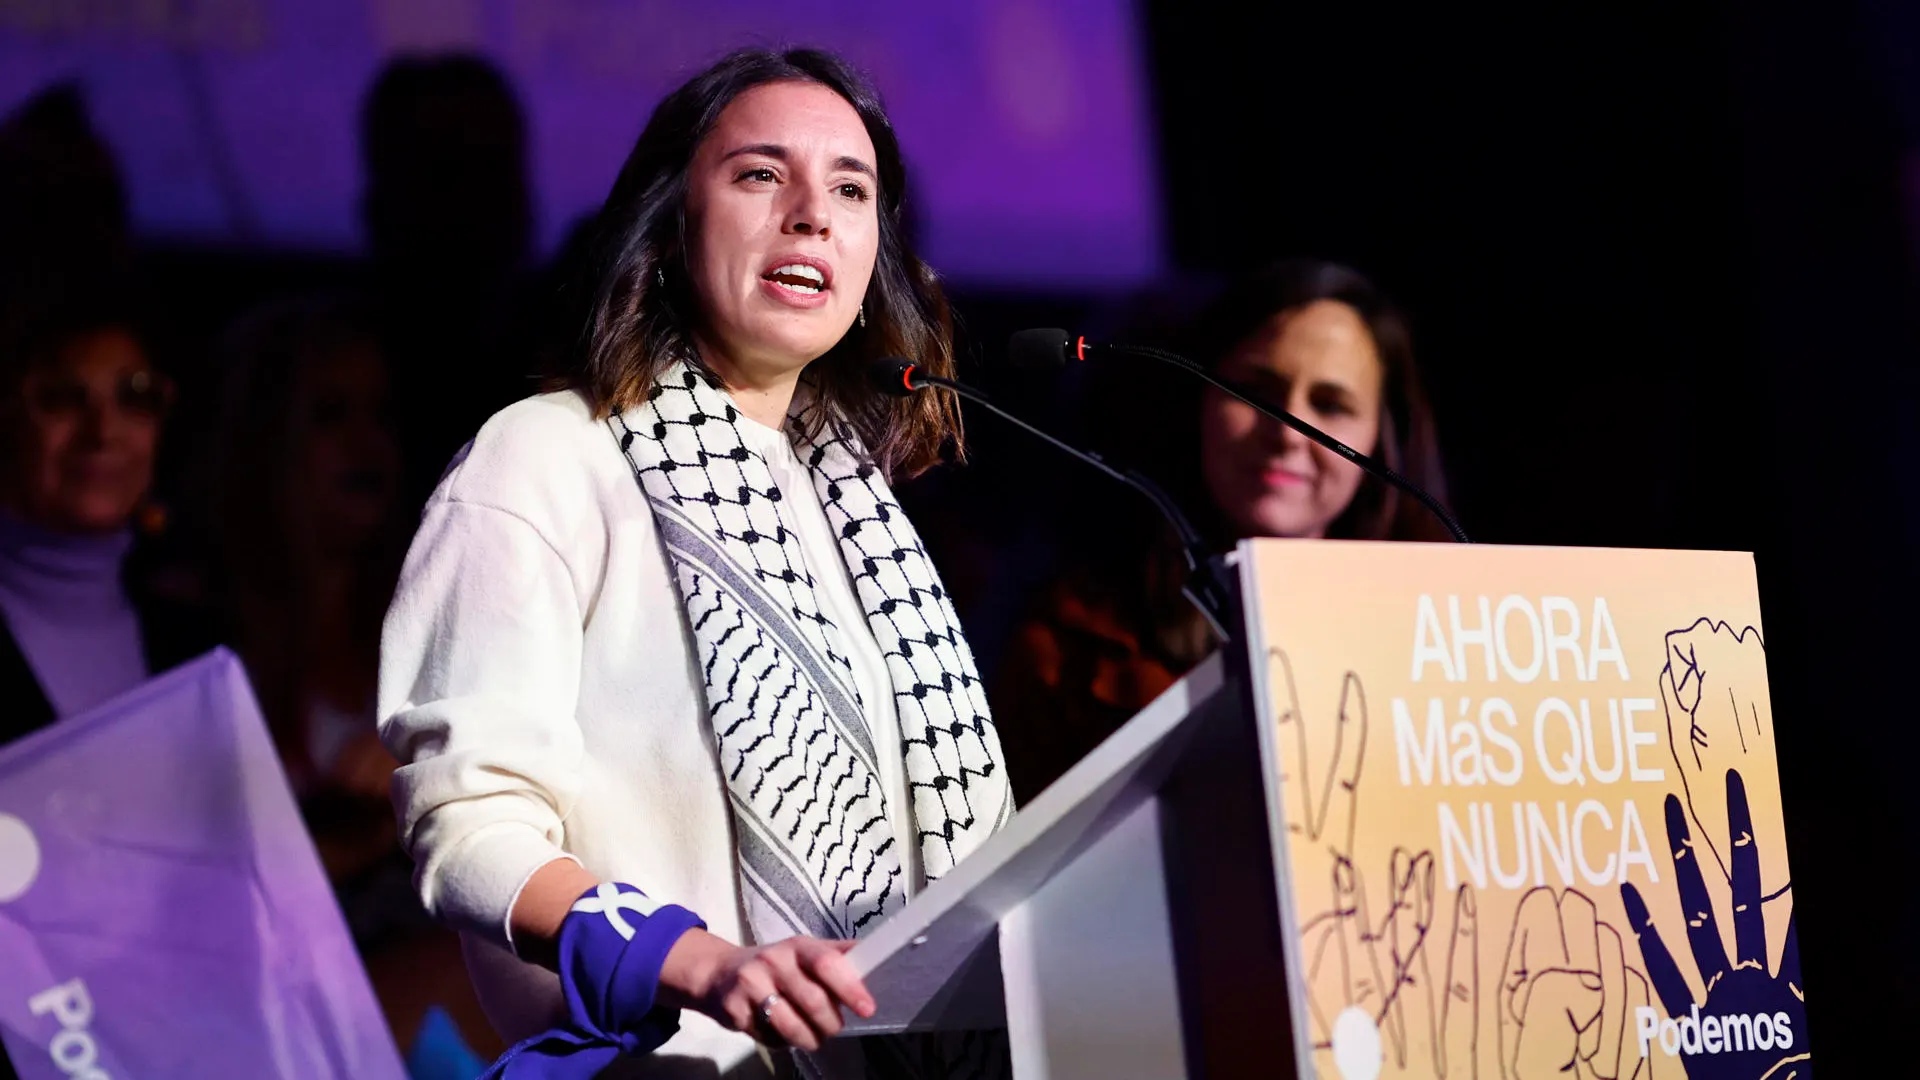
(539, 687)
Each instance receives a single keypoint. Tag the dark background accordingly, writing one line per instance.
(1660, 273)
(1661, 281)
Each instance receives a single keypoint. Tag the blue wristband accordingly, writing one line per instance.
(612, 947)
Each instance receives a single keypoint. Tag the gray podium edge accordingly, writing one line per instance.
(1125, 923)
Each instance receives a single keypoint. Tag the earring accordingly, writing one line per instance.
(150, 518)
(660, 274)
(863, 315)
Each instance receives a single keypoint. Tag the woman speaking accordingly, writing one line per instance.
(680, 702)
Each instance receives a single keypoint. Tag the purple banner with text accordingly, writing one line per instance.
(162, 910)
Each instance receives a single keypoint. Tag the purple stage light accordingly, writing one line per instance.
(1025, 123)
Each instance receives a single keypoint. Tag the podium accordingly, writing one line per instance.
(1194, 899)
(1136, 890)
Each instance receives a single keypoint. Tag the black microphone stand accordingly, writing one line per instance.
(1366, 463)
(1053, 346)
(1211, 585)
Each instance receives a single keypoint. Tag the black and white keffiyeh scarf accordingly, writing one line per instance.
(816, 850)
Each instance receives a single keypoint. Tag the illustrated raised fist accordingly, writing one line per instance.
(1567, 997)
(1714, 688)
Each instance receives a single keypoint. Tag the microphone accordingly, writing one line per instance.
(895, 375)
(1209, 584)
(1052, 347)
(1048, 348)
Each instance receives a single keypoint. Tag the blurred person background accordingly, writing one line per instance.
(1315, 338)
(307, 528)
(305, 478)
(64, 228)
(84, 612)
(448, 219)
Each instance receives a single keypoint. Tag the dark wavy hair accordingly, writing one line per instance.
(1408, 443)
(1150, 418)
(635, 327)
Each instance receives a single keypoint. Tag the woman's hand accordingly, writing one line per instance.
(709, 974)
(729, 983)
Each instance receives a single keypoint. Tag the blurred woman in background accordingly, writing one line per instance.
(307, 534)
(82, 409)
(1314, 338)
(309, 530)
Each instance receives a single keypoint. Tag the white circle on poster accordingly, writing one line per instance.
(1356, 1045)
(19, 858)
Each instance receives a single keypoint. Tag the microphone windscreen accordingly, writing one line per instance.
(889, 375)
(1045, 348)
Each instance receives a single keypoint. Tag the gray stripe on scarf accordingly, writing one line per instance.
(774, 876)
(680, 537)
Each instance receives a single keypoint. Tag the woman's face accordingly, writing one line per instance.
(1319, 363)
(783, 200)
(349, 460)
(84, 456)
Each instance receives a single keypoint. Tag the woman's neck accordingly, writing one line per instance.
(72, 572)
(763, 393)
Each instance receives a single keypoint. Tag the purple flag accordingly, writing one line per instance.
(162, 910)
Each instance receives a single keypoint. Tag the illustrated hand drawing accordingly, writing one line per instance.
(1748, 1007)
(1714, 689)
(1567, 997)
(1418, 983)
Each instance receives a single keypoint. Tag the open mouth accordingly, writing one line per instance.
(798, 278)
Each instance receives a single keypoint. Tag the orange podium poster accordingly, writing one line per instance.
(1530, 812)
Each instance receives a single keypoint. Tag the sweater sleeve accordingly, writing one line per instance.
(479, 680)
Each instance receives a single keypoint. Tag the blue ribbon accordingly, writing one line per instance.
(612, 946)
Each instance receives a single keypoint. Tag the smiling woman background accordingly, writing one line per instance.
(665, 649)
(82, 413)
(1317, 339)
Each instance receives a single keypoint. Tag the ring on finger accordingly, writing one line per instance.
(765, 1008)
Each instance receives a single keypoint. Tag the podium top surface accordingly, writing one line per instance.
(921, 963)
